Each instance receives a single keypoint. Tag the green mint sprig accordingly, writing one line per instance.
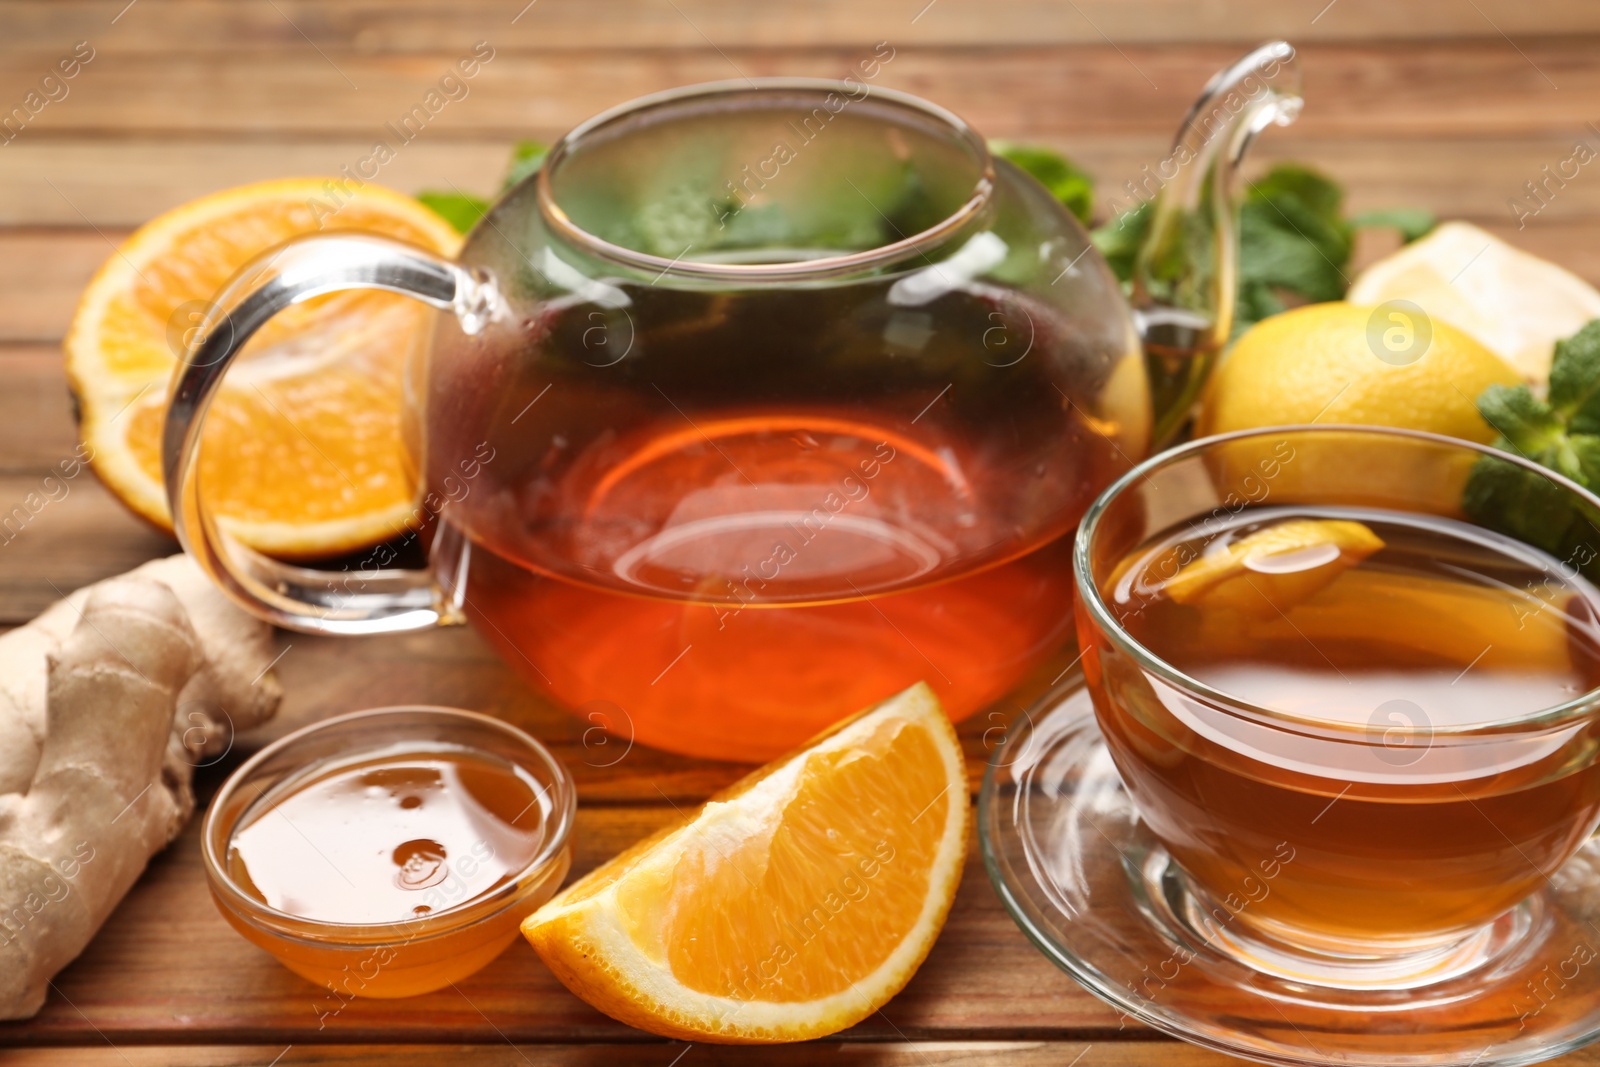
(1561, 432)
(1294, 237)
(1064, 179)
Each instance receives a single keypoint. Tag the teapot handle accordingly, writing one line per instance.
(1185, 278)
(301, 598)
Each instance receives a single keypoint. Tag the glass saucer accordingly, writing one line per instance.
(1100, 897)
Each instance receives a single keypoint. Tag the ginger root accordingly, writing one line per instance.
(108, 701)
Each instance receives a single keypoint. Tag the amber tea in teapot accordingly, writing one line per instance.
(748, 574)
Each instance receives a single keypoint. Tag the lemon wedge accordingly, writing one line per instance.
(1515, 304)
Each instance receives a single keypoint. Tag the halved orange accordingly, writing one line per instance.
(789, 906)
(302, 453)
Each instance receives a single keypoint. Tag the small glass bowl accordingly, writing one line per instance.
(396, 959)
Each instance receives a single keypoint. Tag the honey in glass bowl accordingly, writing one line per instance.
(390, 852)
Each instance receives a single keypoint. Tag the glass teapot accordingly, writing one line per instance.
(760, 402)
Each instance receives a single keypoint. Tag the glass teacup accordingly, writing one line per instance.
(1348, 677)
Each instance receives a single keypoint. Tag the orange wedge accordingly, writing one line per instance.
(791, 905)
(302, 454)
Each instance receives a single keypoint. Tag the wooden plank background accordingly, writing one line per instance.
(1445, 104)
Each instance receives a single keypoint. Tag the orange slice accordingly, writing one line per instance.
(791, 905)
(302, 453)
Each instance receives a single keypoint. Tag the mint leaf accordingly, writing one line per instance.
(1503, 496)
(1284, 246)
(1120, 239)
(526, 158)
(1294, 243)
(460, 210)
(1527, 424)
(1413, 223)
(1257, 300)
(1318, 195)
(1294, 239)
(1575, 379)
(1563, 435)
(1065, 180)
(1585, 450)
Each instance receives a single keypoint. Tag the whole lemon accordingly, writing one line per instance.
(1389, 365)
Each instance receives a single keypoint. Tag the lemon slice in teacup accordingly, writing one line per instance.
(1274, 568)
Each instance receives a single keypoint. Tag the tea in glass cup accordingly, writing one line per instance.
(1350, 688)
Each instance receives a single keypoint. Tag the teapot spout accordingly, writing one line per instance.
(1185, 276)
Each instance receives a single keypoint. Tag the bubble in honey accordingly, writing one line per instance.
(421, 862)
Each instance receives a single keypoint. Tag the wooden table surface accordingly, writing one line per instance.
(1450, 104)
